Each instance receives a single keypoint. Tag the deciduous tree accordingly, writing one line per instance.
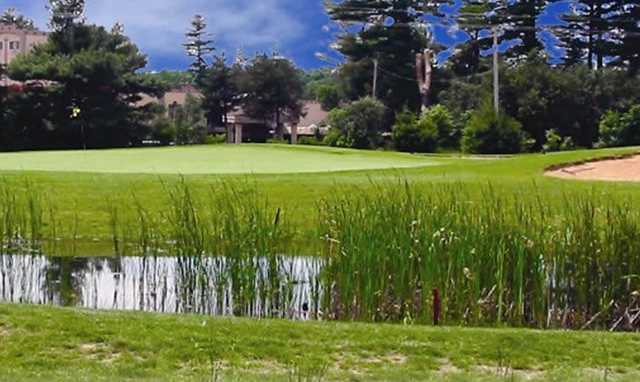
(273, 90)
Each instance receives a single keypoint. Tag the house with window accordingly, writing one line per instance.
(242, 128)
(15, 41)
(172, 98)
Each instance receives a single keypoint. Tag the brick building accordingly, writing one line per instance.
(15, 41)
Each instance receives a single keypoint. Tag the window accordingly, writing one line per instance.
(14, 45)
(0, 45)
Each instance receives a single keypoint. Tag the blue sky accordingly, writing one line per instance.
(296, 28)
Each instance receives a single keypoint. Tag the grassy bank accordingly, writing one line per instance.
(39, 343)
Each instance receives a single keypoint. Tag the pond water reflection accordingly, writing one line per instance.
(282, 287)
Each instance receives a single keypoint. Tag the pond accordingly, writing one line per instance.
(276, 287)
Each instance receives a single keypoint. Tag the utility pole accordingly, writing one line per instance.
(496, 72)
(375, 78)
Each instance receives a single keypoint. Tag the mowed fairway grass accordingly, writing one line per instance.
(45, 343)
(84, 185)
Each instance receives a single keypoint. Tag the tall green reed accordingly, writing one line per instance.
(231, 221)
(23, 212)
(500, 257)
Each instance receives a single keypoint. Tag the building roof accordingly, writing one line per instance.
(312, 118)
(313, 115)
(12, 28)
(177, 95)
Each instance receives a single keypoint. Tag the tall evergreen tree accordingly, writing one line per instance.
(65, 13)
(219, 85)
(515, 22)
(96, 74)
(586, 34)
(11, 17)
(198, 46)
(390, 31)
(626, 22)
(519, 21)
(570, 39)
(475, 19)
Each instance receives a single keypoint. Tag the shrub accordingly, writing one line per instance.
(163, 130)
(357, 125)
(438, 119)
(620, 129)
(413, 135)
(332, 138)
(278, 141)
(491, 133)
(554, 141)
(215, 139)
(567, 144)
(310, 141)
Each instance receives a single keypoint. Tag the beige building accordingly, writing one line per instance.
(172, 98)
(15, 41)
(242, 128)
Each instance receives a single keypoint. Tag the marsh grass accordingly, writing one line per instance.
(23, 212)
(513, 258)
(230, 222)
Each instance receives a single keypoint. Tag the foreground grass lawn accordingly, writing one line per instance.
(41, 343)
(83, 185)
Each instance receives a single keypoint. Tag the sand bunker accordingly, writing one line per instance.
(625, 169)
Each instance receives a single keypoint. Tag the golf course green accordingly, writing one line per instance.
(213, 159)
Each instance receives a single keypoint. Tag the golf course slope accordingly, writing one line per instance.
(213, 159)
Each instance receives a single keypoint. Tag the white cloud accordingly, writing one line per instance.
(158, 26)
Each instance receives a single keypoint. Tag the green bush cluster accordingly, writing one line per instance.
(434, 130)
(215, 139)
(310, 141)
(620, 129)
(555, 142)
(359, 124)
(491, 133)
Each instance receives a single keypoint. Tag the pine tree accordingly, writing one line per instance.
(117, 29)
(586, 36)
(65, 13)
(626, 20)
(11, 17)
(570, 39)
(518, 21)
(390, 31)
(475, 19)
(198, 46)
(240, 60)
(220, 90)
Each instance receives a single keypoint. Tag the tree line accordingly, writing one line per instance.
(548, 102)
(83, 89)
(583, 96)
